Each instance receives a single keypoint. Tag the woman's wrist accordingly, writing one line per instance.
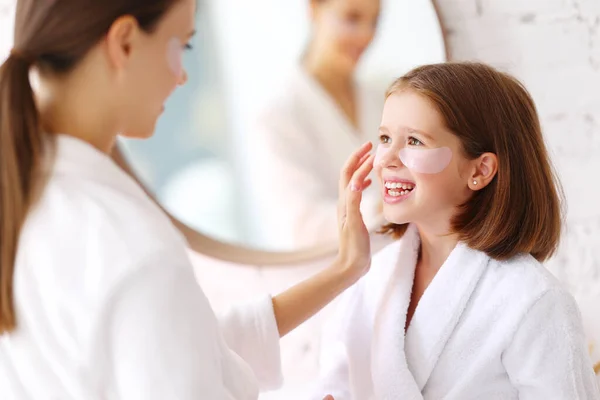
(345, 272)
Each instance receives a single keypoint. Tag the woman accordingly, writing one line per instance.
(97, 296)
(460, 305)
(311, 126)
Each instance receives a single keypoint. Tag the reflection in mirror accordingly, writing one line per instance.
(279, 94)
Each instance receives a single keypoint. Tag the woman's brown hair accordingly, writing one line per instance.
(490, 111)
(52, 35)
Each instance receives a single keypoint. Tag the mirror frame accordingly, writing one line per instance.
(203, 244)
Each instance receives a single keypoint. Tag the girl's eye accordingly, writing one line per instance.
(412, 141)
(188, 46)
(384, 139)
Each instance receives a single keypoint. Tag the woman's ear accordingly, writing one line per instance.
(119, 39)
(485, 168)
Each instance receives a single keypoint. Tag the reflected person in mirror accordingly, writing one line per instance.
(460, 306)
(97, 295)
(306, 132)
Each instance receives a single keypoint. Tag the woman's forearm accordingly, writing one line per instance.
(302, 301)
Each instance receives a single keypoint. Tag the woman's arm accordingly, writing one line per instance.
(302, 301)
(248, 331)
(251, 331)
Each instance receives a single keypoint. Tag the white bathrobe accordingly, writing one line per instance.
(295, 154)
(108, 306)
(483, 329)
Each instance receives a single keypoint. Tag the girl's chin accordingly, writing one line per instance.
(396, 219)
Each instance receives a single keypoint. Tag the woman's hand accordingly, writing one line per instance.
(354, 254)
(302, 301)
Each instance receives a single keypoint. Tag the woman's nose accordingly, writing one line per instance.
(183, 78)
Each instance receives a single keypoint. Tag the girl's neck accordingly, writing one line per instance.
(435, 249)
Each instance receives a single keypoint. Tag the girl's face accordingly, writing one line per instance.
(152, 68)
(345, 28)
(420, 163)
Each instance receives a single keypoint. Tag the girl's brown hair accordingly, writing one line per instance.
(52, 35)
(490, 111)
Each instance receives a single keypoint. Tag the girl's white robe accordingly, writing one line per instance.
(483, 329)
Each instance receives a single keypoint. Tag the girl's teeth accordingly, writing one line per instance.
(396, 193)
(397, 189)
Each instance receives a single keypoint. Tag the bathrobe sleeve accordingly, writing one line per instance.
(251, 331)
(551, 362)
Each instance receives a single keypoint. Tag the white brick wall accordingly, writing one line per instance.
(554, 47)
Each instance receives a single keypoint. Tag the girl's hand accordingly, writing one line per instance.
(354, 254)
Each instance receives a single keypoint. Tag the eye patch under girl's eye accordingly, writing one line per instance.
(425, 161)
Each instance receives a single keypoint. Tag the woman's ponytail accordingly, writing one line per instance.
(21, 145)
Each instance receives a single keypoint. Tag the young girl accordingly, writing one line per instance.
(97, 295)
(460, 306)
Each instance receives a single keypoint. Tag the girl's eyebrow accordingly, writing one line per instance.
(385, 130)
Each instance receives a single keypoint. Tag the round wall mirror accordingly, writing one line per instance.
(201, 164)
(246, 155)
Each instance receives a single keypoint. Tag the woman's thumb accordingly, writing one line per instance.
(329, 397)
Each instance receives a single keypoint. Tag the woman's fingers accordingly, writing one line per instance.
(353, 163)
(360, 175)
(359, 182)
(361, 160)
(366, 184)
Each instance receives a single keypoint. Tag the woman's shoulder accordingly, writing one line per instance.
(95, 225)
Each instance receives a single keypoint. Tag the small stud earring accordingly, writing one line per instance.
(474, 182)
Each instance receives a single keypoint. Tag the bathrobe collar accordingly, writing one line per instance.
(75, 157)
(403, 362)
